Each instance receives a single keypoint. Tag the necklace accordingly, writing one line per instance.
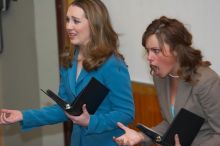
(173, 76)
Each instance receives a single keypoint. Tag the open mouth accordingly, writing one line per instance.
(71, 35)
(155, 69)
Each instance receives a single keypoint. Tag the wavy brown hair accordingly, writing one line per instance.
(103, 39)
(173, 33)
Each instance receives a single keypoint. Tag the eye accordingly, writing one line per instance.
(72, 20)
(76, 21)
(67, 19)
(156, 50)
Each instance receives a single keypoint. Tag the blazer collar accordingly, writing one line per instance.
(83, 72)
(183, 94)
(82, 75)
(73, 83)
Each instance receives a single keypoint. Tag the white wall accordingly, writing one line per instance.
(29, 62)
(19, 69)
(47, 61)
(0, 86)
(131, 17)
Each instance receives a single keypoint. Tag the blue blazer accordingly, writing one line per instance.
(118, 106)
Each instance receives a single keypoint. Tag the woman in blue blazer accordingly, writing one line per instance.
(94, 54)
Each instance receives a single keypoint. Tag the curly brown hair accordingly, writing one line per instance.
(179, 39)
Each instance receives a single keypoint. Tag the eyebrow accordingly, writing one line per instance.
(73, 17)
(153, 48)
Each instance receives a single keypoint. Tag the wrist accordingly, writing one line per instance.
(141, 136)
(21, 116)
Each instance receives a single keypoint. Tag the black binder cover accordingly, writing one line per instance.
(92, 95)
(186, 124)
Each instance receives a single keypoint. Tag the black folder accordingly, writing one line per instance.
(92, 95)
(186, 124)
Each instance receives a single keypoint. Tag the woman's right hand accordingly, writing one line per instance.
(177, 141)
(130, 138)
(10, 116)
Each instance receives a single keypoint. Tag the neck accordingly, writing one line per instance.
(80, 56)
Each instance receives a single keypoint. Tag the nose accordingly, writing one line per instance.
(149, 57)
(69, 25)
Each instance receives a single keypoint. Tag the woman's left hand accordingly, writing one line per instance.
(83, 119)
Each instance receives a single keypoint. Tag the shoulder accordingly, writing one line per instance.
(114, 67)
(113, 62)
(207, 79)
(206, 74)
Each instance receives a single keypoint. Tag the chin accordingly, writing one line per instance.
(161, 75)
(74, 42)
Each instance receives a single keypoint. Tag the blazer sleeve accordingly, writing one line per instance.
(117, 79)
(160, 128)
(39, 117)
(48, 115)
(208, 94)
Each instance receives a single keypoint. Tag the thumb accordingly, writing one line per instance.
(122, 126)
(5, 111)
(84, 109)
(177, 141)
